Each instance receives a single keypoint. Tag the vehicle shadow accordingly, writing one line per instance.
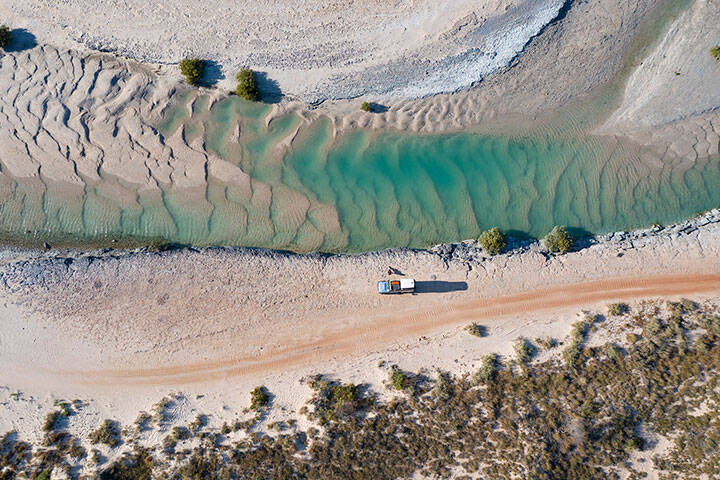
(437, 286)
(378, 108)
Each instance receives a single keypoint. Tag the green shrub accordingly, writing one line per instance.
(632, 338)
(488, 369)
(558, 240)
(199, 422)
(5, 36)
(44, 475)
(180, 433)
(77, 451)
(135, 466)
(365, 107)
(546, 342)
(653, 326)
(344, 393)
(715, 52)
(259, 398)
(617, 309)
(108, 433)
(193, 70)
(247, 86)
(579, 329)
(141, 422)
(476, 330)
(51, 420)
(443, 386)
(572, 354)
(333, 400)
(398, 379)
(523, 350)
(493, 241)
(65, 410)
(613, 352)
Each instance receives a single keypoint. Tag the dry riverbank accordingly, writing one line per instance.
(121, 330)
(202, 316)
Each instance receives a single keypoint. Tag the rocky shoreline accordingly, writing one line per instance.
(469, 250)
(466, 251)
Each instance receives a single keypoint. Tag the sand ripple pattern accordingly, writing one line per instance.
(83, 161)
(97, 149)
(316, 50)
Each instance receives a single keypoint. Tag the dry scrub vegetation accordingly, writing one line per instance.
(582, 414)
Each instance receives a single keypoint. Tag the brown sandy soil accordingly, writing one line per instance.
(120, 330)
(189, 317)
(375, 330)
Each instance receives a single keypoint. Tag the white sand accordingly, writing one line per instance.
(125, 330)
(313, 49)
(672, 99)
(216, 323)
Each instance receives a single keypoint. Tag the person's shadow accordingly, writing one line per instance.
(21, 40)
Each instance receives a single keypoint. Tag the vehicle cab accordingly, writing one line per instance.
(403, 285)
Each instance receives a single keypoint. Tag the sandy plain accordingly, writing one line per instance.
(122, 329)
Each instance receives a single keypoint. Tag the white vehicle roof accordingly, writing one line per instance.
(407, 283)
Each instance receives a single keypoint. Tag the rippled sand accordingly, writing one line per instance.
(312, 49)
(100, 149)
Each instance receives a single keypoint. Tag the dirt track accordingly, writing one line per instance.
(382, 330)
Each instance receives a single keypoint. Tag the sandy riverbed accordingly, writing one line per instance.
(86, 118)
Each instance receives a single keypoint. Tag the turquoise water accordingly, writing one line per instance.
(362, 191)
(287, 184)
(404, 190)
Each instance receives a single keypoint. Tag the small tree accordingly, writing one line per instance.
(715, 52)
(493, 241)
(247, 86)
(5, 36)
(259, 398)
(365, 107)
(398, 379)
(193, 69)
(558, 240)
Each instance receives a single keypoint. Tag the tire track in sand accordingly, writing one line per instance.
(373, 330)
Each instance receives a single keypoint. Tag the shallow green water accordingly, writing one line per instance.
(308, 190)
(363, 191)
(404, 190)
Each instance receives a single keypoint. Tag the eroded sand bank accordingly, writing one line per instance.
(315, 50)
